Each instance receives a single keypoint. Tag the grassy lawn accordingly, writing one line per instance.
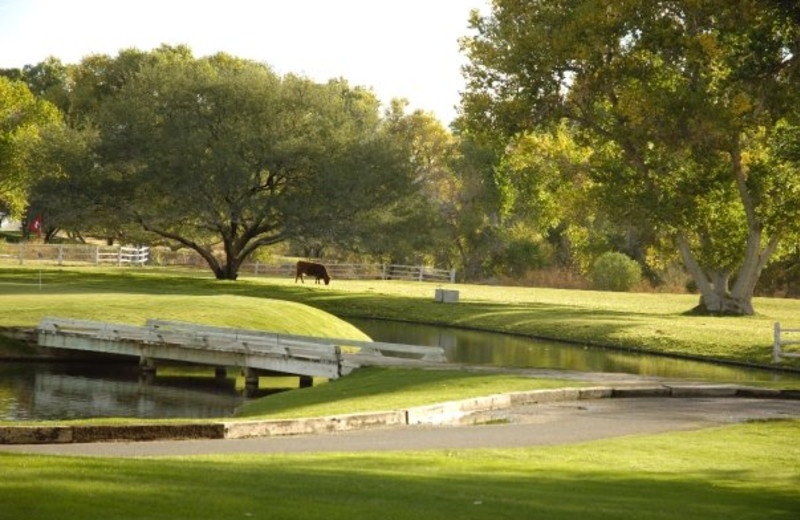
(132, 298)
(747, 471)
(374, 389)
(652, 322)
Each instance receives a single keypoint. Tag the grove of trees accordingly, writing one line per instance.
(666, 130)
(689, 110)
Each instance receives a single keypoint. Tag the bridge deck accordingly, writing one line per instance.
(221, 347)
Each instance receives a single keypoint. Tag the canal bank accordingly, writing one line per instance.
(466, 411)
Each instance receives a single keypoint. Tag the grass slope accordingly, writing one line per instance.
(652, 322)
(747, 471)
(372, 389)
(121, 298)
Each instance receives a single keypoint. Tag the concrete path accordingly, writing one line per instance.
(540, 424)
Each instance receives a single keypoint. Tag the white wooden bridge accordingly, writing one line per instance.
(255, 352)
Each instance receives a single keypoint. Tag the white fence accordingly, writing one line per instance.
(779, 343)
(83, 254)
(72, 254)
(419, 273)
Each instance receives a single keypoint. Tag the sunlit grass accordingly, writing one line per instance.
(747, 471)
(132, 298)
(372, 389)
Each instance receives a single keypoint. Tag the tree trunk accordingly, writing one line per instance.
(228, 271)
(716, 297)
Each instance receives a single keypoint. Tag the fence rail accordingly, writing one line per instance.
(779, 342)
(72, 254)
(83, 254)
(419, 273)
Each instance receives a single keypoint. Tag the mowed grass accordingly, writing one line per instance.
(645, 321)
(378, 389)
(747, 471)
(123, 297)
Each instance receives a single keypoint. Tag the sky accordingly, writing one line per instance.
(398, 48)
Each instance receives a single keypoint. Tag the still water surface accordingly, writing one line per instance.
(492, 349)
(42, 391)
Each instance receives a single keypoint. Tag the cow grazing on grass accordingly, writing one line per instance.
(318, 271)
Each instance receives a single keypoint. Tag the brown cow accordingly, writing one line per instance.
(318, 271)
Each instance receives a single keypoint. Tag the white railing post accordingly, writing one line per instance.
(776, 346)
(60, 254)
(452, 276)
(96, 255)
(256, 269)
(21, 252)
(421, 272)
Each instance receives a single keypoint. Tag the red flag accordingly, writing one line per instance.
(36, 225)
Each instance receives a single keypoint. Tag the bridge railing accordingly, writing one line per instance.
(377, 348)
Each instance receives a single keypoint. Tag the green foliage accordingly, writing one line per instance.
(614, 271)
(23, 120)
(683, 108)
(220, 150)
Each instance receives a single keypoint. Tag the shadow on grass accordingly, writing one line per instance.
(463, 485)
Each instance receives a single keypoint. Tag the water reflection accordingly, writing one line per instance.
(45, 391)
(493, 349)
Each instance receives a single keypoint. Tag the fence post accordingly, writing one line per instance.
(383, 271)
(256, 272)
(119, 256)
(96, 255)
(421, 272)
(60, 254)
(452, 276)
(776, 345)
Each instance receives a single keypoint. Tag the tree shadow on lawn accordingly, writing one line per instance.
(463, 485)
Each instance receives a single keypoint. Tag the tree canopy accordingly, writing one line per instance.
(224, 156)
(684, 103)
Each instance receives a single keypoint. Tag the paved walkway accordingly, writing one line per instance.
(540, 424)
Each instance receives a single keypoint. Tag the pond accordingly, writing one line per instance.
(75, 390)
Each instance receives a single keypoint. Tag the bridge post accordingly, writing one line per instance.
(147, 365)
(250, 382)
(306, 381)
(220, 373)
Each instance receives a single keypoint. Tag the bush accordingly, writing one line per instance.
(615, 272)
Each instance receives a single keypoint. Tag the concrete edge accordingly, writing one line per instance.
(450, 412)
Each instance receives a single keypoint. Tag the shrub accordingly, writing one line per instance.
(615, 272)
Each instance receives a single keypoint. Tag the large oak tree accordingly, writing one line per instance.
(690, 108)
(223, 156)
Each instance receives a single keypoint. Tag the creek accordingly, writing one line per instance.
(75, 390)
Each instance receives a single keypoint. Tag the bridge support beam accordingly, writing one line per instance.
(306, 381)
(220, 373)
